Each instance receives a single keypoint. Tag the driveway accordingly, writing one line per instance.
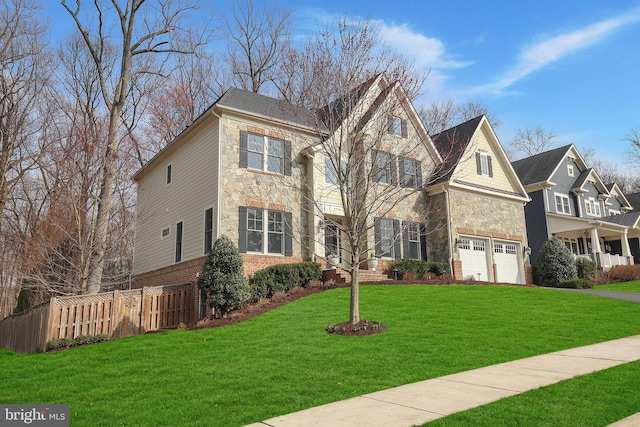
(626, 296)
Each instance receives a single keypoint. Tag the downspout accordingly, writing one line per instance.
(219, 186)
(545, 201)
(450, 232)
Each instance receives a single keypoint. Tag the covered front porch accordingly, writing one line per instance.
(592, 239)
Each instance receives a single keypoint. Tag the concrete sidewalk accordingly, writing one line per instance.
(418, 403)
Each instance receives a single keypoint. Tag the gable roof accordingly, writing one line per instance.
(452, 144)
(634, 201)
(540, 167)
(613, 188)
(583, 178)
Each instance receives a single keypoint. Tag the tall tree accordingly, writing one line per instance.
(531, 142)
(633, 138)
(145, 43)
(443, 115)
(256, 42)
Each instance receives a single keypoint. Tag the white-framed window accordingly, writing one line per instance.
(165, 232)
(386, 237)
(465, 244)
(409, 172)
(397, 126)
(256, 238)
(510, 249)
(570, 171)
(483, 164)
(265, 153)
(498, 248)
(571, 244)
(478, 245)
(169, 174)
(383, 167)
(592, 207)
(562, 204)
(413, 241)
(330, 173)
(613, 212)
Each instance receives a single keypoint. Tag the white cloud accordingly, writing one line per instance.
(428, 52)
(540, 55)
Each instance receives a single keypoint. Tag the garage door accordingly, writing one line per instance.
(473, 254)
(507, 265)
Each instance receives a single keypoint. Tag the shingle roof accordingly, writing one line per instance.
(634, 201)
(582, 178)
(538, 168)
(265, 106)
(628, 220)
(452, 143)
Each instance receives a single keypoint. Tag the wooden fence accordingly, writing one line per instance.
(118, 314)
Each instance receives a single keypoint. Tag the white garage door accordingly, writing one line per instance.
(507, 265)
(473, 254)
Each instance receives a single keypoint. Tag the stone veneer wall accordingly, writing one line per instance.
(438, 229)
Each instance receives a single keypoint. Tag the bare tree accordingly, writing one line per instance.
(634, 146)
(256, 42)
(145, 44)
(532, 142)
(372, 150)
(440, 116)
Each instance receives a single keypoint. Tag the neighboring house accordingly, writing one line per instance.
(251, 167)
(570, 202)
(477, 205)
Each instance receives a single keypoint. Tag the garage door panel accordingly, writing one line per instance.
(507, 263)
(473, 255)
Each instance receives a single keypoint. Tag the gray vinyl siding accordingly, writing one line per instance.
(564, 184)
(536, 221)
(193, 189)
(614, 205)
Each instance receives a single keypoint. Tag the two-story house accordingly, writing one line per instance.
(570, 202)
(268, 175)
(480, 200)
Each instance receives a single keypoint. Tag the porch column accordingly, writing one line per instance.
(626, 250)
(595, 241)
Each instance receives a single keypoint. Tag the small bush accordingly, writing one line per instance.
(57, 343)
(419, 268)
(223, 277)
(585, 268)
(576, 284)
(554, 264)
(624, 273)
(282, 278)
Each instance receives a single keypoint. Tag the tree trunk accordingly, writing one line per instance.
(354, 309)
(104, 203)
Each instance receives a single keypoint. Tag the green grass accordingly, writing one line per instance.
(622, 287)
(283, 361)
(597, 400)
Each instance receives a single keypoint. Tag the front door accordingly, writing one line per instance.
(332, 244)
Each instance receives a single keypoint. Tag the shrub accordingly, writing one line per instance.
(223, 277)
(554, 264)
(282, 278)
(576, 284)
(79, 340)
(419, 268)
(585, 268)
(624, 273)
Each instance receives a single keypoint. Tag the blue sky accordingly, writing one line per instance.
(571, 67)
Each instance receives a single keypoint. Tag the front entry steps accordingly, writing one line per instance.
(342, 276)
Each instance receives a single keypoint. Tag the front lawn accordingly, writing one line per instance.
(283, 361)
(622, 287)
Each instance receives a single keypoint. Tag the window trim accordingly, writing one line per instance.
(570, 170)
(162, 233)
(169, 174)
(208, 233)
(397, 126)
(285, 158)
(243, 232)
(563, 198)
(484, 164)
(179, 242)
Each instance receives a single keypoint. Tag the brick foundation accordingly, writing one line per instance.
(456, 270)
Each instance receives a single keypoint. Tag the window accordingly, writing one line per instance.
(179, 242)
(412, 248)
(465, 244)
(398, 126)
(330, 173)
(410, 173)
(255, 230)
(386, 238)
(511, 249)
(498, 248)
(570, 170)
(592, 207)
(253, 236)
(478, 245)
(571, 244)
(384, 167)
(484, 164)
(168, 174)
(208, 230)
(265, 153)
(275, 240)
(165, 232)
(562, 204)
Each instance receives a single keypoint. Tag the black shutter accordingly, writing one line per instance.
(490, 167)
(243, 149)
(478, 164)
(390, 124)
(418, 174)
(423, 242)
(405, 239)
(403, 128)
(377, 236)
(287, 158)
(242, 229)
(375, 171)
(288, 235)
(401, 161)
(396, 239)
